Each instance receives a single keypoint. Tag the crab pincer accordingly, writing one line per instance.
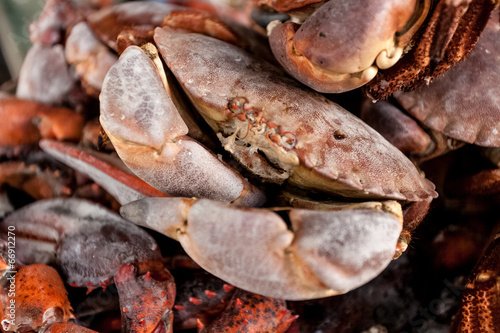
(342, 44)
(150, 137)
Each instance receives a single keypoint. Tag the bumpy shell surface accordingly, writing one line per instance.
(333, 150)
(328, 252)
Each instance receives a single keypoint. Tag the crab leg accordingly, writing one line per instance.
(327, 253)
(150, 136)
(145, 301)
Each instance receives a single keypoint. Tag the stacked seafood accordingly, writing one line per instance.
(181, 161)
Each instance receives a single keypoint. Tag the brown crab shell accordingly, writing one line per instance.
(286, 5)
(324, 52)
(337, 151)
(140, 17)
(464, 103)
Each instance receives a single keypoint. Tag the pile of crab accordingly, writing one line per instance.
(207, 123)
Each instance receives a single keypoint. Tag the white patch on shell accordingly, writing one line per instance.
(45, 75)
(135, 105)
(345, 248)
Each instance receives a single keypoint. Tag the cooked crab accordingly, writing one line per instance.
(279, 132)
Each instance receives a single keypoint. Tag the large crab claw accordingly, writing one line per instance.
(149, 135)
(342, 44)
(327, 253)
(282, 132)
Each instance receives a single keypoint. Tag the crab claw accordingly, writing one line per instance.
(327, 253)
(337, 49)
(92, 242)
(282, 132)
(90, 58)
(145, 301)
(252, 313)
(39, 299)
(150, 136)
(45, 76)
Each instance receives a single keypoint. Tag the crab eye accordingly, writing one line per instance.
(237, 105)
(288, 140)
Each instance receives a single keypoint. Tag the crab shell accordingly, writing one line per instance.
(40, 299)
(319, 144)
(342, 44)
(464, 103)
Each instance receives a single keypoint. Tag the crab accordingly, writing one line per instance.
(273, 141)
(304, 262)
(428, 36)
